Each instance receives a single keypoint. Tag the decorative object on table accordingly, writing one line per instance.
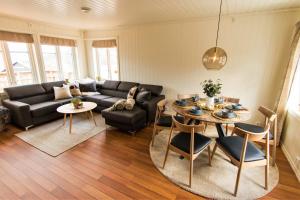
(215, 58)
(219, 100)
(4, 117)
(67, 81)
(77, 103)
(211, 89)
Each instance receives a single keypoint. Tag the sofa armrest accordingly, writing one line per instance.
(150, 107)
(20, 112)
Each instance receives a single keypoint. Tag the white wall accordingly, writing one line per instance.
(39, 28)
(170, 54)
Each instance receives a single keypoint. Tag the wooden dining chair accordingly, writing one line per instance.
(231, 100)
(243, 153)
(270, 117)
(186, 96)
(189, 143)
(162, 120)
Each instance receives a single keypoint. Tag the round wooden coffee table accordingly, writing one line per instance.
(69, 109)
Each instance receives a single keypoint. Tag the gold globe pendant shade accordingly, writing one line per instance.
(214, 58)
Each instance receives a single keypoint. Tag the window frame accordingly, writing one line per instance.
(7, 60)
(97, 64)
(59, 62)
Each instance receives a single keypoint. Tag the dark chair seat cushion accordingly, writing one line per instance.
(182, 142)
(41, 109)
(234, 144)
(252, 128)
(96, 98)
(166, 120)
(125, 116)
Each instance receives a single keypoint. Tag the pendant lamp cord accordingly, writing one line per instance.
(219, 23)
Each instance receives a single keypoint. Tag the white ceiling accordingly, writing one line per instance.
(112, 13)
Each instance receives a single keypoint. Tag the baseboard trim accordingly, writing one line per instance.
(290, 160)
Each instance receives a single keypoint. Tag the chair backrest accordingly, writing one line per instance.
(188, 128)
(270, 115)
(160, 108)
(250, 136)
(231, 100)
(186, 96)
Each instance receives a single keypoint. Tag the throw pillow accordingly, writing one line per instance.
(88, 87)
(143, 96)
(75, 91)
(131, 93)
(119, 105)
(129, 104)
(62, 93)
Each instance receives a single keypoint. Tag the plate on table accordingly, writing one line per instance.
(196, 111)
(181, 103)
(235, 107)
(225, 114)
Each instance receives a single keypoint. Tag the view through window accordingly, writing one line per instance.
(59, 62)
(107, 63)
(294, 99)
(21, 64)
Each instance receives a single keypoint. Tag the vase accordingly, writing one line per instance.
(210, 102)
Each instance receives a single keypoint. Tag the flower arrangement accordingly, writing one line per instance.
(210, 88)
(77, 103)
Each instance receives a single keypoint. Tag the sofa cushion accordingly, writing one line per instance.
(45, 108)
(108, 102)
(126, 86)
(62, 92)
(114, 93)
(96, 98)
(37, 99)
(143, 96)
(111, 85)
(49, 85)
(154, 89)
(24, 91)
(125, 116)
(88, 87)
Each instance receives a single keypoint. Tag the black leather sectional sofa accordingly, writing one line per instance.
(34, 104)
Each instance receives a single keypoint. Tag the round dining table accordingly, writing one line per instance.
(210, 116)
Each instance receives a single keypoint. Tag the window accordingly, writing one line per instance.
(21, 62)
(4, 81)
(294, 99)
(59, 62)
(50, 63)
(107, 63)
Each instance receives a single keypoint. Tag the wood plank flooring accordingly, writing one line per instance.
(111, 165)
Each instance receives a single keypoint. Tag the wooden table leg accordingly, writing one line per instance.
(65, 118)
(93, 117)
(70, 128)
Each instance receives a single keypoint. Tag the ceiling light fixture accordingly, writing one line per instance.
(215, 58)
(85, 9)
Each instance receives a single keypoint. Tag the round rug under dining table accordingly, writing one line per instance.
(216, 181)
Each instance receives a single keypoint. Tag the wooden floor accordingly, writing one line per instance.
(111, 165)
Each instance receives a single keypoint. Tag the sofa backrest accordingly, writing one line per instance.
(154, 89)
(24, 91)
(49, 86)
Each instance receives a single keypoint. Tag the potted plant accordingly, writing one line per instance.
(77, 103)
(211, 89)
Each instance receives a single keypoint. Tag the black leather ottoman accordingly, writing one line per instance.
(130, 121)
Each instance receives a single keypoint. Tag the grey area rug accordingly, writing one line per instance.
(217, 181)
(53, 138)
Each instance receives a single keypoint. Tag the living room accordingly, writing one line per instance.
(104, 99)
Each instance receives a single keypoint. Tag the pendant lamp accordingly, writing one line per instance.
(215, 58)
